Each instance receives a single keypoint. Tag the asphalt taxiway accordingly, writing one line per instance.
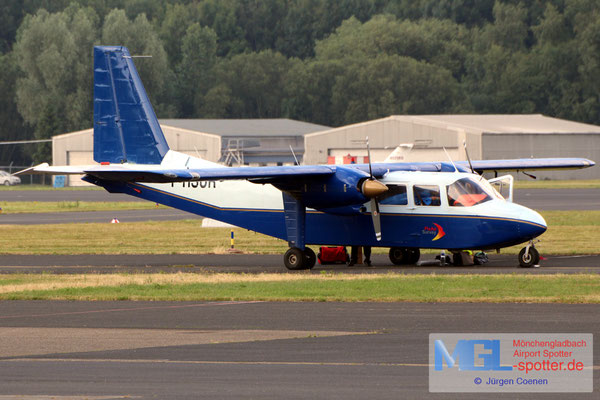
(250, 350)
(538, 199)
(273, 263)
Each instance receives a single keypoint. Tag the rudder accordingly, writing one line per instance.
(125, 126)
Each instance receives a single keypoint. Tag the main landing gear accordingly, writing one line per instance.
(529, 256)
(296, 259)
(404, 256)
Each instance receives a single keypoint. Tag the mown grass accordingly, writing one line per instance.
(577, 288)
(152, 237)
(569, 232)
(548, 184)
(19, 207)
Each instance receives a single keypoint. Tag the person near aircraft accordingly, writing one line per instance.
(354, 255)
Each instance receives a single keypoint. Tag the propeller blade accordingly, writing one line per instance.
(369, 155)
(376, 218)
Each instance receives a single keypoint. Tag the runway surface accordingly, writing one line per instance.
(538, 199)
(273, 263)
(250, 350)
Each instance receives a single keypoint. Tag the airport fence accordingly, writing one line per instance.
(27, 179)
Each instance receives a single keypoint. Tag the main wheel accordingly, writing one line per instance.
(397, 255)
(404, 256)
(309, 258)
(412, 256)
(294, 259)
(7, 183)
(531, 259)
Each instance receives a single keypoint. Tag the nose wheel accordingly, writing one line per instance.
(529, 256)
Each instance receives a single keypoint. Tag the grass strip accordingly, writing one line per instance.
(559, 184)
(393, 287)
(19, 207)
(569, 232)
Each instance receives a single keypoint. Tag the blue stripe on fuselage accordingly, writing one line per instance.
(398, 230)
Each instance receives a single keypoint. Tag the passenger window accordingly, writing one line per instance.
(396, 195)
(426, 195)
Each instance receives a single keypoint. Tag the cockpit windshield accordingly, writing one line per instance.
(467, 192)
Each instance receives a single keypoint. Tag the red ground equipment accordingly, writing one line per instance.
(333, 255)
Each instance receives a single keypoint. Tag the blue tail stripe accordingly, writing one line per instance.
(125, 126)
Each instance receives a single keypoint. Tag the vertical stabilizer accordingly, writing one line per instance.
(125, 126)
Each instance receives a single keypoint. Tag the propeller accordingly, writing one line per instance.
(372, 188)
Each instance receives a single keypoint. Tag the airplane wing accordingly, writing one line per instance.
(161, 174)
(528, 164)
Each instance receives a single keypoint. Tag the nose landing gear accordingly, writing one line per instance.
(529, 256)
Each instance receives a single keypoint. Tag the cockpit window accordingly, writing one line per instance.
(426, 195)
(396, 195)
(466, 192)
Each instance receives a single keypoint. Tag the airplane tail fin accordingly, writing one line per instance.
(125, 126)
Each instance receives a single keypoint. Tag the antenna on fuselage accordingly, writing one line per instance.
(294, 154)
(450, 158)
(468, 158)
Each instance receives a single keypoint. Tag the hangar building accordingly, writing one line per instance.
(487, 137)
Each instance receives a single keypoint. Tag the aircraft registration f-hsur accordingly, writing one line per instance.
(403, 206)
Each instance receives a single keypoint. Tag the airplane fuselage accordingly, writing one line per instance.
(407, 221)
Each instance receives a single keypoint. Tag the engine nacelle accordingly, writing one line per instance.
(346, 187)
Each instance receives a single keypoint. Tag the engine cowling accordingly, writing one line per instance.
(348, 186)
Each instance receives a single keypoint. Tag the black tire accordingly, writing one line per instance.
(404, 256)
(294, 259)
(6, 183)
(309, 258)
(397, 255)
(533, 258)
(412, 256)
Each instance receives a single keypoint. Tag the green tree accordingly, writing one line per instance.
(371, 88)
(437, 42)
(141, 39)
(194, 73)
(54, 53)
(222, 17)
(178, 18)
(309, 90)
(12, 126)
(250, 85)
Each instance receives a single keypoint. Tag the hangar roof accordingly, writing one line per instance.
(246, 127)
(509, 123)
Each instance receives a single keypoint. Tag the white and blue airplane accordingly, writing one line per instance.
(403, 206)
